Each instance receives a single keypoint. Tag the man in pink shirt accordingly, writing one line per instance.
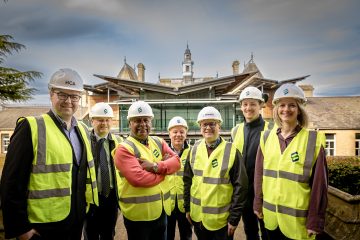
(144, 163)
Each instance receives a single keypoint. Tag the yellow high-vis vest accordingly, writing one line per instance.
(145, 203)
(176, 180)
(237, 135)
(49, 198)
(117, 140)
(286, 190)
(211, 190)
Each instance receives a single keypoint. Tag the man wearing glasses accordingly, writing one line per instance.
(49, 176)
(215, 181)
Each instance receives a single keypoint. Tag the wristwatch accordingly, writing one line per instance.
(155, 168)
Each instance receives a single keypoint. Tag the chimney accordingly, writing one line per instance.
(141, 72)
(308, 90)
(235, 67)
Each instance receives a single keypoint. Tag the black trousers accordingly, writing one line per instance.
(147, 230)
(203, 234)
(68, 229)
(276, 234)
(251, 222)
(185, 229)
(100, 221)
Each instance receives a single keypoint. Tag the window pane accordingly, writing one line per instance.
(329, 136)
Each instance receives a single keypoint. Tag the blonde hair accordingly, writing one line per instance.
(302, 118)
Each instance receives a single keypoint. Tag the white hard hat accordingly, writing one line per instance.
(210, 113)
(251, 93)
(289, 90)
(177, 121)
(101, 109)
(66, 79)
(140, 109)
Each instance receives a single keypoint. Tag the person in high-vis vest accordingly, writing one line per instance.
(215, 181)
(144, 163)
(101, 220)
(246, 137)
(177, 129)
(291, 171)
(49, 176)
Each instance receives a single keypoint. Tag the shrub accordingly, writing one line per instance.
(344, 173)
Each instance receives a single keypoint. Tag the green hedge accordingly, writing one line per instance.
(344, 173)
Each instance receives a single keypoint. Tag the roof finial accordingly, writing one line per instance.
(252, 57)
(125, 60)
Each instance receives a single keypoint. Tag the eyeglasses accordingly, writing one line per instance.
(208, 124)
(63, 96)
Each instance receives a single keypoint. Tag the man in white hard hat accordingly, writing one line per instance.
(178, 129)
(49, 175)
(246, 138)
(144, 163)
(215, 181)
(101, 220)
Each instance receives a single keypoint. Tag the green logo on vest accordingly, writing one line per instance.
(156, 153)
(183, 162)
(214, 163)
(295, 157)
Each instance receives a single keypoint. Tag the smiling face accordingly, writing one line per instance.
(288, 111)
(177, 136)
(251, 109)
(140, 127)
(210, 130)
(65, 102)
(101, 125)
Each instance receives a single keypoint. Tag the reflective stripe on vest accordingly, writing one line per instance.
(145, 204)
(211, 175)
(49, 196)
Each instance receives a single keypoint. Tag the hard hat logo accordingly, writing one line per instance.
(178, 121)
(139, 110)
(71, 83)
(286, 91)
(105, 111)
(247, 93)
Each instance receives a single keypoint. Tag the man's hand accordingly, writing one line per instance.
(188, 217)
(147, 166)
(311, 232)
(259, 214)
(28, 235)
(231, 229)
(165, 157)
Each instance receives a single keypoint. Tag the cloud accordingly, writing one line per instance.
(288, 38)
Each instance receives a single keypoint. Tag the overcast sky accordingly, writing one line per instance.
(289, 38)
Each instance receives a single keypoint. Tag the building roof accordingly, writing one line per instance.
(127, 72)
(336, 113)
(10, 114)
